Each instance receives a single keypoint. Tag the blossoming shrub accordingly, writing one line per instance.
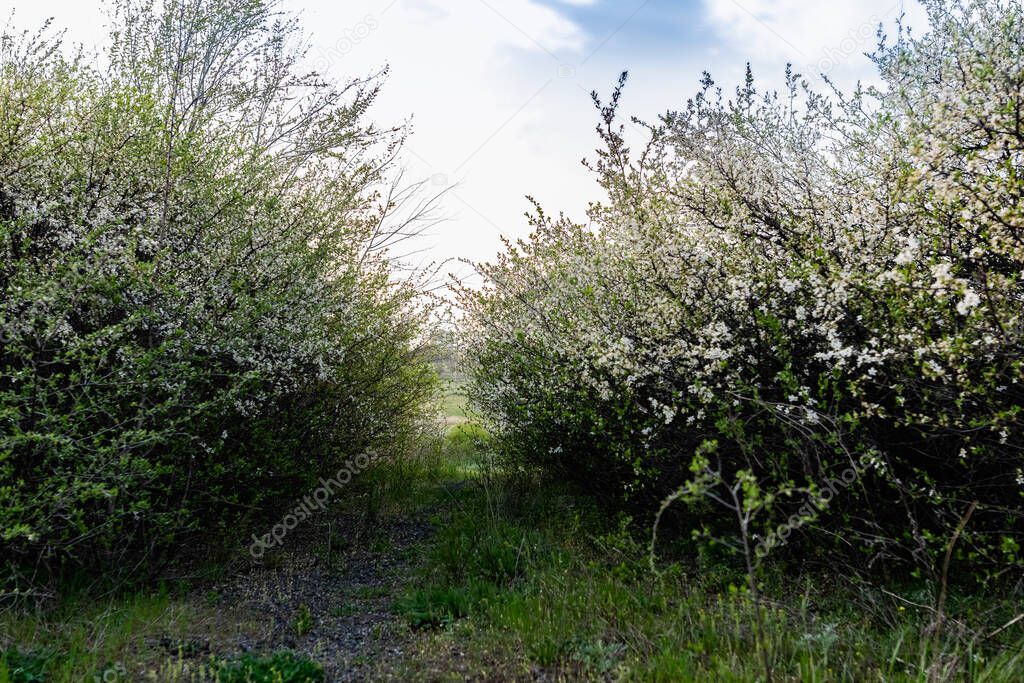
(786, 289)
(198, 319)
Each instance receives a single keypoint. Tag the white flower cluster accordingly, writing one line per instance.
(853, 261)
(192, 258)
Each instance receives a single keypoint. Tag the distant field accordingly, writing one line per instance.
(454, 403)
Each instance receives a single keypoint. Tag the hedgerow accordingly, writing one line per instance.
(199, 317)
(782, 289)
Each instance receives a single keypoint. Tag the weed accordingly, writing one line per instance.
(19, 667)
(439, 606)
(303, 622)
(280, 667)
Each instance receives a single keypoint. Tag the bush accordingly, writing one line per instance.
(463, 441)
(198, 315)
(812, 303)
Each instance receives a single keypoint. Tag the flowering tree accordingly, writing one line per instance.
(198, 311)
(813, 283)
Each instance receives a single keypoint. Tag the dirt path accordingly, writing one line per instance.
(333, 605)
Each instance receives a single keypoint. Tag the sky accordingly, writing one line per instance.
(497, 91)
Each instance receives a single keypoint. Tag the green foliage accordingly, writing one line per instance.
(198, 318)
(463, 440)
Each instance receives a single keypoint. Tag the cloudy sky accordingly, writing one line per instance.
(498, 90)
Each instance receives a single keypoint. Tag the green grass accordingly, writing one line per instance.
(441, 605)
(453, 404)
(85, 637)
(155, 636)
(521, 577)
(303, 621)
(420, 479)
(281, 667)
(22, 667)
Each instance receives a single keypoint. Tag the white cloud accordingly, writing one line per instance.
(490, 91)
(829, 36)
